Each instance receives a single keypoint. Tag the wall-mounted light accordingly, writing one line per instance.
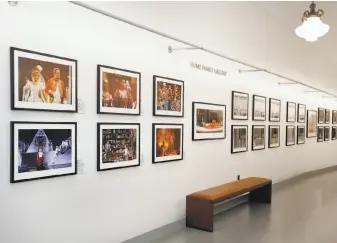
(13, 3)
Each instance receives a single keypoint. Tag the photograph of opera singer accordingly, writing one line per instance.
(168, 141)
(209, 121)
(44, 149)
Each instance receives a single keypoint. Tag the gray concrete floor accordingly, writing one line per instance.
(303, 210)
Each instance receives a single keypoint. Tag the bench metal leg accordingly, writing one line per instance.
(262, 194)
(199, 214)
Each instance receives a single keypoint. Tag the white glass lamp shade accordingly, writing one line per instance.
(311, 29)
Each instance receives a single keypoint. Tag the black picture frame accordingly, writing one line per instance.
(254, 118)
(287, 135)
(193, 120)
(334, 116)
(297, 135)
(232, 112)
(14, 84)
(270, 110)
(232, 137)
(298, 113)
(264, 142)
(326, 133)
(13, 155)
(308, 120)
(320, 113)
(269, 133)
(99, 145)
(333, 132)
(320, 129)
(118, 111)
(154, 97)
(288, 103)
(327, 119)
(168, 125)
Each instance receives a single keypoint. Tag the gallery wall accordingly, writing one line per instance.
(113, 206)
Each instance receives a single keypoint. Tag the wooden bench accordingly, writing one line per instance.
(199, 205)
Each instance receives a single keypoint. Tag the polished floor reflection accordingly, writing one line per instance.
(303, 210)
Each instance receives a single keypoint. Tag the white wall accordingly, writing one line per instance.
(113, 206)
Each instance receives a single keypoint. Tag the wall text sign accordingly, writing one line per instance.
(207, 68)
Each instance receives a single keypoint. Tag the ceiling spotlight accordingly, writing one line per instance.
(312, 26)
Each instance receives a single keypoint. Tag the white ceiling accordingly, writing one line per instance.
(260, 33)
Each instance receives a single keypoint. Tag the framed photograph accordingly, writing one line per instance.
(259, 108)
(239, 139)
(42, 150)
(118, 91)
(327, 116)
(326, 133)
(118, 145)
(208, 121)
(258, 137)
(42, 82)
(167, 142)
(274, 136)
(333, 133)
(274, 110)
(168, 97)
(291, 112)
(300, 134)
(290, 135)
(311, 123)
(320, 134)
(240, 105)
(334, 117)
(301, 113)
(321, 115)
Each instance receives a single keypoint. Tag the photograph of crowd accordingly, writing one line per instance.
(239, 106)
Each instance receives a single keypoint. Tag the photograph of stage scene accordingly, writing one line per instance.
(168, 142)
(44, 149)
(119, 145)
(168, 96)
(119, 91)
(209, 121)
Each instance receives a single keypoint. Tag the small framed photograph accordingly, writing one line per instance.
(333, 132)
(290, 135)
(240, 105)
(42, 150)
(208, 121)
(42, 82)
(320, 134)
(259, 108)
(274, 110)
(321, 115)
(167, 142)
(301, 113)
(118, 145)
(118, 91)
(258, 137)
(168, 97)
(326, 133)
(311, 123)
(274, 136)
(291, 112)
(300, 134)
(239, 139)
(327, 116)
(334, 117)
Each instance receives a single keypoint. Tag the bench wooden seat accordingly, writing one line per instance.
(199, 205)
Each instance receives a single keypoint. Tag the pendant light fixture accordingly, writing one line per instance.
(312, 26)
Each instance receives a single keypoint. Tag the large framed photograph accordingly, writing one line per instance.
(259, 108)
(291, 112)
(274, 136)
(208, 121)
(321, 115)
(311, 123)
(334, 117)
(118, 91)
(168, 97)
(274, 110)
(167, 142)
(258, 137)
(239, 139)
(290, 135)
(327, 116)
(320, 134)
(118, 145)
(326, 133)
(42, 149)
(42, 82)
(240, 105)
(300, 134)
(333, 133)
(301, 113)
